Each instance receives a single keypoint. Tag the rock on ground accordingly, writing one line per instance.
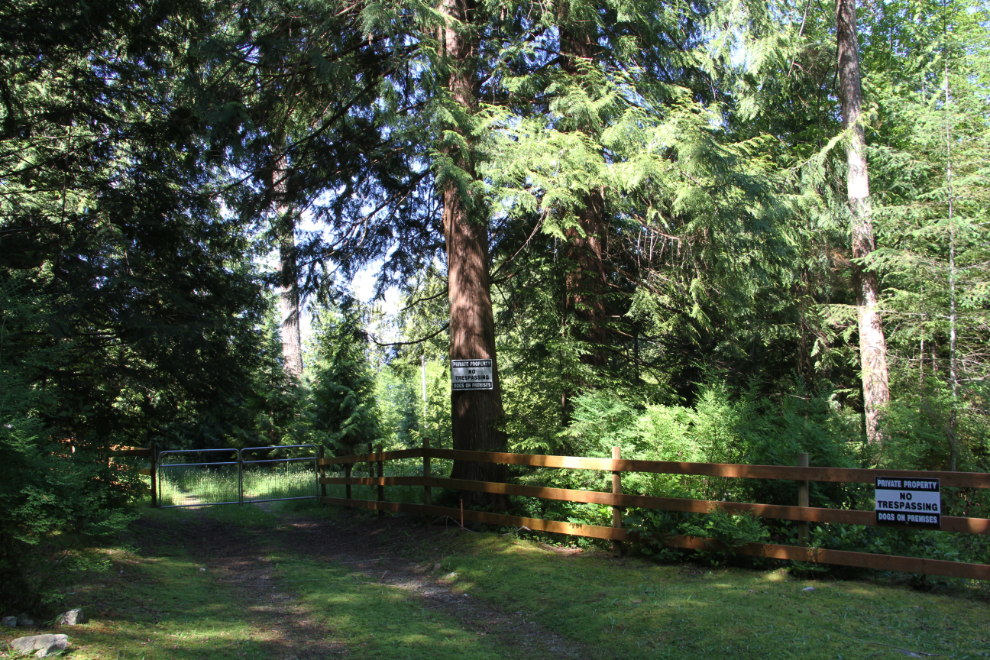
(41, 645)
(71, 618)
(25, 620)
(9, 621)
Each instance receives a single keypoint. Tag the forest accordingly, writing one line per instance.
(716, 231)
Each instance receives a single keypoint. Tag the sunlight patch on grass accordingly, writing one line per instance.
(634, 609)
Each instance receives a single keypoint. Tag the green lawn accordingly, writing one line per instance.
(243, 582)
(636, 609)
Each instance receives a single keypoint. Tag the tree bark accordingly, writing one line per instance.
(475, 414)
(872, 345)
(285, 227)
(585, 283)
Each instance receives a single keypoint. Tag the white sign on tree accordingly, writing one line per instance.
(471, 375)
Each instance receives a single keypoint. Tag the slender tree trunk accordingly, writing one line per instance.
(285, 225)
(475, 413)
(585, 282)
(953, 374)
(872, 345)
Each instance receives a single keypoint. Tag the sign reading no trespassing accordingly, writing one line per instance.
(471, 375)
(916, 502)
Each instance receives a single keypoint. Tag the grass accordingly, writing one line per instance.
(282, 481)
(215, 485)
(167, 603)
(164, 597)
(639, 609)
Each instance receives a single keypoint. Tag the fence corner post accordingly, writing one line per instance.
(803, 501)
(616, 510)
(380, 464)
(322, 469)
(427, 490)
(153, 462)
(347, 473)
(240, 478)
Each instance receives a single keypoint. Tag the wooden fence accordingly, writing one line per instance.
(802, 513)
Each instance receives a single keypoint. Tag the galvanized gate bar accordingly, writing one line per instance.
(240, 463)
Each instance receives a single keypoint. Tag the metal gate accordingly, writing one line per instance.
(207, 478)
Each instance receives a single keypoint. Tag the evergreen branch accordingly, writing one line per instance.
(414, 303)
(521, 248)
(408, 343)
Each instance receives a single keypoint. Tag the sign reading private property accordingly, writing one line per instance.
(916, 502)
(471, 375)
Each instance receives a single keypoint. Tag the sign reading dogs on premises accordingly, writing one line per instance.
(471, 375)
(916, 502)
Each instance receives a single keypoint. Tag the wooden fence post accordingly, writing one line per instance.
(347, 473)
(153, 462)
(322, 453)
(427, 490)
(617, 511)
(803, 500)
(381, 475)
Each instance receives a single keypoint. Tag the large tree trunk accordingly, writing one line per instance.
(585, 283)
(872, 346)
(475, 413)
(285, 227)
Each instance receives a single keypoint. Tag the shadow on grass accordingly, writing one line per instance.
(246, 582)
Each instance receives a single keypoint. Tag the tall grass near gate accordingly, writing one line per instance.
(218, 484)
(279, 481)
(197, 485)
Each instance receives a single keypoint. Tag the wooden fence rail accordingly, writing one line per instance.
(786, 472)
(618, 500)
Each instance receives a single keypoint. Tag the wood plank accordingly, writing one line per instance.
(807, 514)
(535, 524)
(369, 458)
(786, 472)
(132, 451)
(843, 558)
(373, 481)
(146, 472)
(533, 460)
(793, 553)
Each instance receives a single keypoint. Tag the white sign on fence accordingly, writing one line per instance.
(471, 375)
(915, 502)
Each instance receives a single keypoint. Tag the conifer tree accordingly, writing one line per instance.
(476, 414)
(872, 344)
(288, 268)
(585, 294)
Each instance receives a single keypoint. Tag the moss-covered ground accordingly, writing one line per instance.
(243, 582)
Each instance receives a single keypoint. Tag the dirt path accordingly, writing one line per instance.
(237, 557)
(376, 548)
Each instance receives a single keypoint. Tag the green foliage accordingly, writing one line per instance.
(722, 427)
(343, 384)
(137, 144)
(55, 495)
(730, 530)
